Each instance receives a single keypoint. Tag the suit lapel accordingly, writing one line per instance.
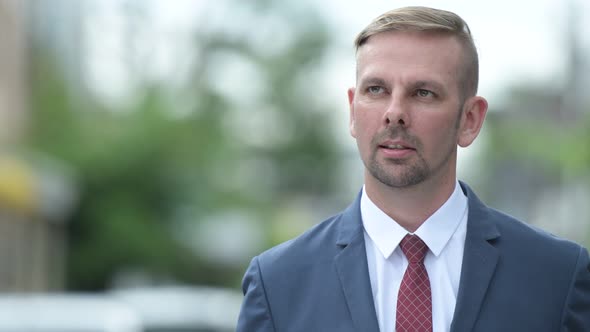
(479, 263)
(352, 269)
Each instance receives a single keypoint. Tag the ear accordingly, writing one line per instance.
(474, 112)
(351, 108)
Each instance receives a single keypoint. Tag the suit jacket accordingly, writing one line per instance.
(514, 278)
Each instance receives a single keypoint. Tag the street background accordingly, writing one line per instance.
(161, 144)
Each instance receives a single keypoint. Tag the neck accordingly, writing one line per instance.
(410, 206)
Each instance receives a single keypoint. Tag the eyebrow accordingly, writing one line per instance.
(370, 81)
(373, 81)
(422, 84)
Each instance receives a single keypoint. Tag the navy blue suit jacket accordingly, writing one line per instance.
(513, 278)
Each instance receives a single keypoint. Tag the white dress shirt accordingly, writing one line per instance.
(444, 234)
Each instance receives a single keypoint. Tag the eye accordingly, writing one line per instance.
(424, 93)
(375, 89)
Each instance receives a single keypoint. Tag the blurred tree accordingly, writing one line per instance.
(226, 139)
(536, 164)
(537, 159)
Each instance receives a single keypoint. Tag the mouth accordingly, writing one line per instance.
(396, 150)
(394, 146)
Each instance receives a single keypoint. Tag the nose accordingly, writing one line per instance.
(397, 113)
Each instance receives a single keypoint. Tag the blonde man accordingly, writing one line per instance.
(417, 250)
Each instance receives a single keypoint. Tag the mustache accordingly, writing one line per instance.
(396, 133)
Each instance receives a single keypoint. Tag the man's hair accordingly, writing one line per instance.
(426, 19)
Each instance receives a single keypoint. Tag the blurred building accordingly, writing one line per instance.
(12, 71)
(546, 182)
(34, 193)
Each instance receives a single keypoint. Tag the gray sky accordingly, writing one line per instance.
(518, 40)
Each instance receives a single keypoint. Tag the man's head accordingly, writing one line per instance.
(430, 20)
(415, 100)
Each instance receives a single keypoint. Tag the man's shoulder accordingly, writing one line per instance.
(515, 234)
(528, 238)
(313, 243)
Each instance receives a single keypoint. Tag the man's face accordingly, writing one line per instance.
(405, 112)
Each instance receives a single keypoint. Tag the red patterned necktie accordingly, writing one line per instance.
(414, 300)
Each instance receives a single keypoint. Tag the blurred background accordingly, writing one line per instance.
(149, 149)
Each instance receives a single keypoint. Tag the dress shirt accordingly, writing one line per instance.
(444, 234)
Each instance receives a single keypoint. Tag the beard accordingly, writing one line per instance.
(407, 173)
(403, 173)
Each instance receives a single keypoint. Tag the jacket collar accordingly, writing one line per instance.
(479, 264)
(352, 269)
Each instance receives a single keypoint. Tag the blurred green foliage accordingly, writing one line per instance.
(539, 128)
(536, 158)
(251, 141)
(144, 170)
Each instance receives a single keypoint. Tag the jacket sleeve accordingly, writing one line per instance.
(255, 314)
(576, 314)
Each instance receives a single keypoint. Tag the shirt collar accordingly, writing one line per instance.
(436, 231)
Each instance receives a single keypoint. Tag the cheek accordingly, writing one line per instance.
(368, 116)
(364, 127)
(438, 132)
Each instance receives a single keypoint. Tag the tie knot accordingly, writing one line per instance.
(414, 248)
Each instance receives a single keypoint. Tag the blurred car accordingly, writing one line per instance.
(66, 313)
(183, 308)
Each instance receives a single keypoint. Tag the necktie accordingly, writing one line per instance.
(414, 300)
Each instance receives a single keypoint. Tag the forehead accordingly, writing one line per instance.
(411, 53)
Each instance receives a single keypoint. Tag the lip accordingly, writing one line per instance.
(396, 149)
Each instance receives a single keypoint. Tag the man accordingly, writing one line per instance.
(417, 250)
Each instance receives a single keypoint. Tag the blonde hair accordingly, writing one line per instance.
(426, 19)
